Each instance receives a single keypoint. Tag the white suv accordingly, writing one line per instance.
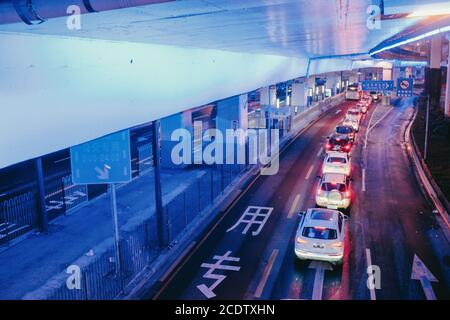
(351, 122)
(321, 236)
(334, 191)
(336, 162)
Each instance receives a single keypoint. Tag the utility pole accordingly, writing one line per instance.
(427, 119)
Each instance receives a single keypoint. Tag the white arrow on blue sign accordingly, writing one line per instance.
(377, 85)
(104, 160)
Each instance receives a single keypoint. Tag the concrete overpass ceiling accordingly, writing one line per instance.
(296, 28)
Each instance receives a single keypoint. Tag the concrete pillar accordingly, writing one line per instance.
(433, 79)
(264, 96)
(168, 125)
(387, 73)
(353, 77)
(311, 85)
(299, 94)
(447, 91)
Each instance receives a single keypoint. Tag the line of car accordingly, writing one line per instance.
(320, 234)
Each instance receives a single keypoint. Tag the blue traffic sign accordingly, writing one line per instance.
(405, 87)
(377, 85)
(104, 160)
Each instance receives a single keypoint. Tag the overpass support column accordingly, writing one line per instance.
(433, 79)
(299, 95)
(268, 96)
(182, 120)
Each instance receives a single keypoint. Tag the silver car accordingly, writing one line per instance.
(320, 235)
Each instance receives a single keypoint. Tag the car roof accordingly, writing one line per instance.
(325, 218)
(334, 177)
(336, 154)
(345, 126)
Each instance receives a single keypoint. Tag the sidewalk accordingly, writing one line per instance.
(28, 264)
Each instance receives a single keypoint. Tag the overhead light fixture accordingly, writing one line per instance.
(430, 11)
(414, 39)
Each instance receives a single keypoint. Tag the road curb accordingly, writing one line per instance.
(423, 175)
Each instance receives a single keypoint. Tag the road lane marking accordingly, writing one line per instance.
(294, 206)
(320, 152)
(308, 174)
(423, 274)
(363, 180)
(370, 127)
(208, 292)
(251, 217)
(338, 111)
(373, 295)
(320, 267)
(266, 273)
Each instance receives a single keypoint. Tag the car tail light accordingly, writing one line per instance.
(336, 244)
(328, 146)
(347, 147)
(300, 240)
(348, 194)
(320, 228)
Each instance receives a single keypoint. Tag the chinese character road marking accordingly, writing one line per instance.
(250, 217)
(208, 291)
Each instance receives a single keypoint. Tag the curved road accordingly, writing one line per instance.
(390, 223)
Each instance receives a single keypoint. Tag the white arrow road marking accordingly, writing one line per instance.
(423, 274)
(320, 267)
(294, 206)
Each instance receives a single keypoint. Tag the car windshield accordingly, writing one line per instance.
(343, 130)
(337, 160)
(329, 186)
(319, 233)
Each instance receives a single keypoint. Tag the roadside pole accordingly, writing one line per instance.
(112, 190)
(42, 209)
(427, 118)
(161, 219)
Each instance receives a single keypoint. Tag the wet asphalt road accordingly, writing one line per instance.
(389, 223)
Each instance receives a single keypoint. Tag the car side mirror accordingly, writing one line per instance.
(301, 213)
(318, 177)
(345, 217)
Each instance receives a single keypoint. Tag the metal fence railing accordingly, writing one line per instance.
(18, 215)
